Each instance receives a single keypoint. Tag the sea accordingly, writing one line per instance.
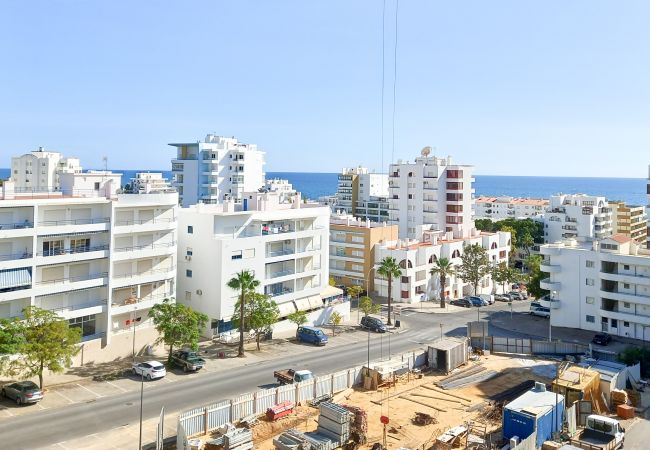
(313, 185)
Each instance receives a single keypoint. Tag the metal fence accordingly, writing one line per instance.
(205, 419)
(526, 346)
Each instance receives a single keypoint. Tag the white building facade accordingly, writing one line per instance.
(285, 245)
(577, 216)
(99, 261)
(602, 285)
(216, 169)
(499, 208)
(150, 182)
(431, 192)
(39, 171)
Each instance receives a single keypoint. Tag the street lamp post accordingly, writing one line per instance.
(135, 309)
(141, 398)
(550, 309)
(368, 295)
(441, 331)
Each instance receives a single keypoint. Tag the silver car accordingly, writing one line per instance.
(22, 392)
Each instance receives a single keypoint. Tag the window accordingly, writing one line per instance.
(405, 294)
(626, 286)
(405, 279)
(455, 208)
(190, 229)
(626, 324)
(589, 281)
(358, 239)
(188, 296)
(609, 246)
(85, 323)
(52, 248)
(590, 319)
(96, 186)
(626, 267)
(189, 252)
(614, 323)
(236, 255)
(589, 264)
(79, 245)
(626, 304)
(188, 273)
(590, 300)
(410, 196)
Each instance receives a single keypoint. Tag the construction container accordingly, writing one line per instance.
(577, 383)
(448, 354)
(625, 411)
(537, 411)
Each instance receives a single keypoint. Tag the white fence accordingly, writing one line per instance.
(528, 444)
(203, 420)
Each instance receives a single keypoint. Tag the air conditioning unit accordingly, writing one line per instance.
(188, 258)
(199, 292)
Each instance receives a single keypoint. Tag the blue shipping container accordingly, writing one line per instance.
(537, 411)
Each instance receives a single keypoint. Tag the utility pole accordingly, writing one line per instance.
(141, 398)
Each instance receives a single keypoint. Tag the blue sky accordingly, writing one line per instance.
(528, 88)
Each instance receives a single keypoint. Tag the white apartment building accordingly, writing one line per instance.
(577, 216)
(602, 285)
(149, 182)
(39, 171)
(648, 208)
(417, 257)
(431, 192)
(217, 169)
(499, 208)
(98, 258)
(281, 186)
(284, 244)
(362, 194)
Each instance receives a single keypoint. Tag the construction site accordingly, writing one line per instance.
(445, 396)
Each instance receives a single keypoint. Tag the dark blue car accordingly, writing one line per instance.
(475, 301)
(311, 335)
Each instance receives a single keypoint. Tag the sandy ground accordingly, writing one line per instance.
(400, 404)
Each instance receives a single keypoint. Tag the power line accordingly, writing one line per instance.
(383, 77)
(395, 77)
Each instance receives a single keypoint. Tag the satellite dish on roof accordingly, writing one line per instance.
(426, 151)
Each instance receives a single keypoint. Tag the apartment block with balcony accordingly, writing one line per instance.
(39, 171)
(352, 248)
(602, 285)
(629, 220)
(69, 254)
(577, 216)
(648, 210)
(499, 208)
(431, 192)
(362, 194)
(216, 169)
(285, 245)
(416, 258)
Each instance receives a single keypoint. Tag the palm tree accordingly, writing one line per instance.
(389, 269)
(527, 242)
(444, 268)
(245, 283)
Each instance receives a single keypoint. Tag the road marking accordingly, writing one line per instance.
(8, 412)
(117, 387)
(64, 397)
(94, 393)
(40, 406)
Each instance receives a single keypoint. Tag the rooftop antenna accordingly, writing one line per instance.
(105, 161)
(426, 151)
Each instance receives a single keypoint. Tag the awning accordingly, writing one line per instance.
(15, 278)
(74, 233)
(315, 301)
(331, 291)
(286, 308)
(303, 304)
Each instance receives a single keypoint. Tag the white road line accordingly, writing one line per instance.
(64, 397)
(94, 393)
(8, 412)
(117, 387)
(40, 406)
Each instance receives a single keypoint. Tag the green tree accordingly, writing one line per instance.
(513, 241)
(177, 324)
(245, 283)
(504, 274)
(355, 291)
(527, 242)
(11, 336)
(335, 318)
(298, 317)
(47, 342)
(474, 266)
(261, 313)
(367, 306)
(389, 269)
(444, 269)
(535, 276)
(485, 225)
(632, 355)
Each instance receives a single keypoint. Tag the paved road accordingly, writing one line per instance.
(58, 425)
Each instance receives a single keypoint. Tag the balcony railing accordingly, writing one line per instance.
(286, 251)
(17, 225)
(67, 251)
(281, 273)
(135, 301)
(91, 276)
(53, 223)
(145, 222)
(144, 274)
(13, 256)
(79, 306)
(275, 293)
(92, 337)
(145, 247)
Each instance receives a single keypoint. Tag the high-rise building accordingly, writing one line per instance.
(98, 258)
(40, 170)
(362, 194)
(216, 169)
(648, 208)
(603, 285)
(285, 245)
(578, 216)
(629, 220)
(431, 193)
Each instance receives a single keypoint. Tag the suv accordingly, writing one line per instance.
(602, 339)
(373, 324)
(540, 311)
(476, 301)
(461, 302)
(311, 335)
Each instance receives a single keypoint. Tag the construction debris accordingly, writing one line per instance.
(513, 392)
(334, 422)
(424, 404)
(493, 412)
(233, 439)
(280, 410)
(318, 400)
(423, 419)
(471, 379)
(452, 436)
(433, 388)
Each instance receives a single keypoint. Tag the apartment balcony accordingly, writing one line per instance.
(210, 173)
(626, 278)
(142, 226)
(16, 229)
(547, 267)
(429, 188)
(148, 276)
(137, 304)
(15, 260)
(615, 294)
(93, 337)
(82, 309)
(56, 286)
(280, 275)
(144, 251)
(626, 317)
(270, 253)
(68, 255)
(549, 285)
(349, 258)
(73, 226)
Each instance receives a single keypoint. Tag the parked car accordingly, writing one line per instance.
(541, 312)
(290, 376)
(516, 295)
(600, 432)
(149, 369)
(22, 392)
(311, 335)
(187, 360)
(534, 305)
(477, 301)
(602, 339)
(461, 302)
(488, 298)
(373, 324)
(501, 298)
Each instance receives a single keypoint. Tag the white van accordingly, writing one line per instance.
(489, 298)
